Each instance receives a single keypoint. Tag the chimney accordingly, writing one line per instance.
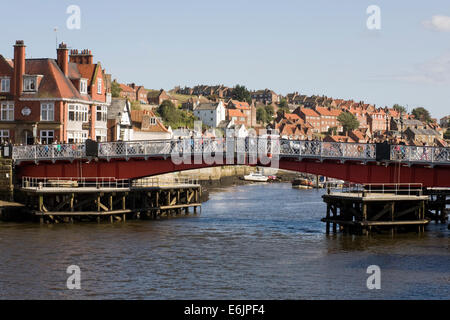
(62, 54)
(19, 66)
(81, 57)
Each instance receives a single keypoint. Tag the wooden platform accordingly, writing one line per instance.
(75, 203)
(364, 212)
(373, 197)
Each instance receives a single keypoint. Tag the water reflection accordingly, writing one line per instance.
(250, 242)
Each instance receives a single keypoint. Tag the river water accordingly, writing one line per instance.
(250, 242)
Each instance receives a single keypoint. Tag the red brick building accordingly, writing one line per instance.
(328, 118)
(46, 99)
(309, 116)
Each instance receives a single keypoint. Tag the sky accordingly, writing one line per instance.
(321, 47)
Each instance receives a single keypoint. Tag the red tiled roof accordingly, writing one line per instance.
(309, 112)
(240, 105)
(138, 115)
(235, 113)
(54, 83)
(291, 116)
(126, 88)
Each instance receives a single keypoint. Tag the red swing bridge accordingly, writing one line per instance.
(351, 162)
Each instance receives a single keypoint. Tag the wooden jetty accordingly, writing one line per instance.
(436, 208)
(96, 199)
(376, 208)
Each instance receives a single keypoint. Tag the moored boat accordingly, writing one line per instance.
(256, 177)
(302, 183)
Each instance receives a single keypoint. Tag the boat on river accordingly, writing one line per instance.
(256, 177)
(302, 183)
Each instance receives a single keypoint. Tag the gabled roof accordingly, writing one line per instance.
(138, 116)
(207, 106)
(8, 63)
(116, 108)
(54, 83)
(126, 88)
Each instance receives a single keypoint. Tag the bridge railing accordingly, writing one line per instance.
(321, 149)
(49, 152)
(286, 148)
(420, 154)
(164, 182)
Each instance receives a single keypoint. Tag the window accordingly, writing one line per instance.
(77, 136)
(78, 113)
(101, 113)
(47, 136)
(100, 135)
(5, 83)
(83, 86)
(29, 84)
(7, 111)
(152, 121)
(99, 85)
(4, 135)
(47, 112)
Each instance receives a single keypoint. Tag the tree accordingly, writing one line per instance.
(241, 93)
(168, 112)
(348, 121)
(421, 114)
(173, 116)
(135, 105)
(261, 115)
(115, 89)
(399, 108)
(269, 112)
(332, 131)
(283, 104)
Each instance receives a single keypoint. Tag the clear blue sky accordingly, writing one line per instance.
(313, 47)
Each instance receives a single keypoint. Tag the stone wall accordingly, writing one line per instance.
(6, 182)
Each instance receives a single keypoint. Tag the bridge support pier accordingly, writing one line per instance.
(365, 213)
(70, 203)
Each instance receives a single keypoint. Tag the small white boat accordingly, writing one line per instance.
(256, 176)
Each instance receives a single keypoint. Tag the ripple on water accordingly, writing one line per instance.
(250, 242)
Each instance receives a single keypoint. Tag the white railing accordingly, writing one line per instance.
(240, 146)
(378, 188)
(164, 182)
(105, 182)
(48, 152)
(74, 182)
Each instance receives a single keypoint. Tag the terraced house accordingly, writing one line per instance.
(43, 100)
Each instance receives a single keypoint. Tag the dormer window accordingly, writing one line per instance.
(30, 83)
(4, 85)
(83, 86)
